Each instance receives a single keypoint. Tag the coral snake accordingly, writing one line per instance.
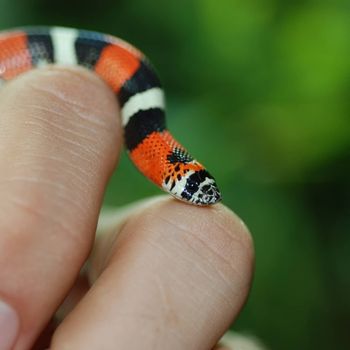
(129, 74)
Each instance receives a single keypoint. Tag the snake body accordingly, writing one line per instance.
(129, 74)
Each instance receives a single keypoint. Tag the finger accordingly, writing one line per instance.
(59, 140)
(173, 278)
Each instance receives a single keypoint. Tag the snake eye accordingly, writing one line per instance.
(192, 185)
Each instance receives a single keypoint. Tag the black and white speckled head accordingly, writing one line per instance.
(197, 187)
(201, 189)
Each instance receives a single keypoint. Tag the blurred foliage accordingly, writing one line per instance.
(259, 91)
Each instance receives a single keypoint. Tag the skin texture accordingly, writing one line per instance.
(162, 274)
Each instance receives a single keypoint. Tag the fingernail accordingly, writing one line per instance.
(9, 326)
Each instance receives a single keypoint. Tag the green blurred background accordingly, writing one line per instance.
(259, 91)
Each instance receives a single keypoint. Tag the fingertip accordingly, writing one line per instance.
(211, 231)
(216, 225)
(215, 232)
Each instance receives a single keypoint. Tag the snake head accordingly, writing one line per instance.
(201, 189)
(196, 187)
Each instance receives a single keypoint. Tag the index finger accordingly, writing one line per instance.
(171, 276)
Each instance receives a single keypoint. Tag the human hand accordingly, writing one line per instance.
(162, 274)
